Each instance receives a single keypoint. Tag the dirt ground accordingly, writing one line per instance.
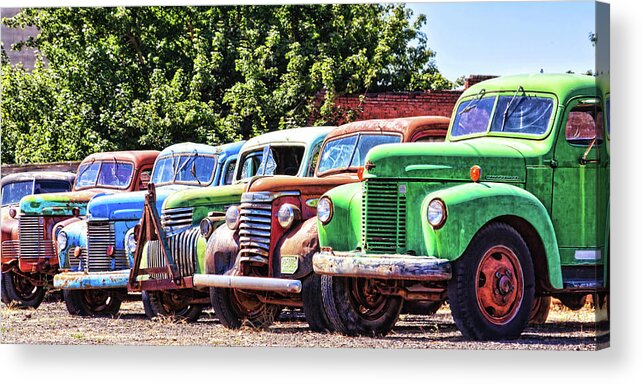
(52, 324)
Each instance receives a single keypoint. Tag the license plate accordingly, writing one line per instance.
(289, 264)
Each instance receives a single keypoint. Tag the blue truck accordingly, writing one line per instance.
(98, 254)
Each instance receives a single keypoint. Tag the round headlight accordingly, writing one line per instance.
(130, 241)
(61, 240)
(205, 227)
(437, 213)
(286, 215)
(324, 210)
(232, 217)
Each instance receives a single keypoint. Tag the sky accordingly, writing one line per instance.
(502, 38)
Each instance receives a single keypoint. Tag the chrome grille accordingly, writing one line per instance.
(72, 262)
(100, 235)
(255, 219)
(384, 217)
(33, 243)
(10, 249)
(183, 250)
(175, 219)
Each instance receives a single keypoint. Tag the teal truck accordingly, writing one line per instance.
(171, 247)
(512, 208)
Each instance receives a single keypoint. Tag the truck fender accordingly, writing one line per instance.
(471, 206)
(221, 250)
(301, 241)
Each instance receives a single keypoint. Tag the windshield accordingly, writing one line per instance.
(271, 160)
(107, 174)
(13, 192)
(350, 151)
(184, 169)
(527, 115)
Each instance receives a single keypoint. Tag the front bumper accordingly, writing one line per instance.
(248, 282)
(92, 280)
(381, 266)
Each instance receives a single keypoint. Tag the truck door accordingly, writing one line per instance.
(579, 203)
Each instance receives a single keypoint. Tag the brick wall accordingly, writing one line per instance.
(396, 104)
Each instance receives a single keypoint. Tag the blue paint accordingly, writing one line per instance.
(126, 209)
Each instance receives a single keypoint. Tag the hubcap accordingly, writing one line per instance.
(367, 300)
(500, 287)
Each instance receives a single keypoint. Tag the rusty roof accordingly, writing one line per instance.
(137, 157)
(407, 126)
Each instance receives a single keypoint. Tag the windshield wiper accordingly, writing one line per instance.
(506, 112)
(472, 104)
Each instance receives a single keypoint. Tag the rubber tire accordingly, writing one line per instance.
(462, 286)
(343, 316)
(222, 300)
(540, 310)
(314, 304)
(153, 306)
(77, 305)
(422, 307)
(13, 296)
(4, 296)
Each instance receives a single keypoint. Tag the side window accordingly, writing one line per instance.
(584, 124)
(314, 158)
(228, 176)
(144, 179)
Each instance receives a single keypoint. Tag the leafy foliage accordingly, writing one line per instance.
(146, 77)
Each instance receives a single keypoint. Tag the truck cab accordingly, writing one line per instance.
(514, 206)
(263, 261)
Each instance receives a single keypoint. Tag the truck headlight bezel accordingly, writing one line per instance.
(324, 209)
(287, 214)
(233, 217)
(436, 213)
(130, 241)
(61, 240)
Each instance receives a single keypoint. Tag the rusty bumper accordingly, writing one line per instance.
(247, 282)
(390, 267)
(92, 280)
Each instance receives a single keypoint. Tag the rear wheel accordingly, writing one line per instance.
(92, 302)
(21, 291)
(356, 307)
(491, 291)
(314, 305)
(169, 305)
(235, 308)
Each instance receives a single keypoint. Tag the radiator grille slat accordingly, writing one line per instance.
(100, 235)
(33, 240)
(183, 250)
(254, 230)
(383, 217)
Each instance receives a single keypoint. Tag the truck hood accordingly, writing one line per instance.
(205, 197)
(59, 204)
(305, 185)
(451, 161)
(128, 205)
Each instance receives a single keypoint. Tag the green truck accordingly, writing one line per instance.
(512, 209)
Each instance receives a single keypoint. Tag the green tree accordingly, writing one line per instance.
(146, 77)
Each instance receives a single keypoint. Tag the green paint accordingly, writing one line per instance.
(535, 179)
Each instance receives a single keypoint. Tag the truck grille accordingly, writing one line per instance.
(176, 219)
(183, 250)
(73, 263)
(100, 235)
(384, 217)
(254, 229)
(11, 249)
(33, 243)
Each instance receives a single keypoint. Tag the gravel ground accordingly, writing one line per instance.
(51, 324)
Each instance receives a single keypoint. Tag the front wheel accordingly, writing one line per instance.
(92, 302)
(314, 305)
(540, 310)
(491, 292)
(355, 306)
(235, 308)
(169, 305)
(21, 291)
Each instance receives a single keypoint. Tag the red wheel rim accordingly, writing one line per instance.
(500, 285)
